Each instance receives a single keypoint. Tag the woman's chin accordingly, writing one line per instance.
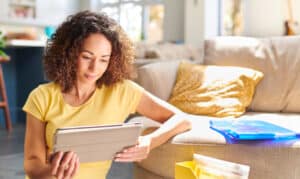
(89, 81)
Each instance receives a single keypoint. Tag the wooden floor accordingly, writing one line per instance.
(11, 156)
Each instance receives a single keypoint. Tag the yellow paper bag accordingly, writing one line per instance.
(185, 170)
(203, 167)
(190, 170)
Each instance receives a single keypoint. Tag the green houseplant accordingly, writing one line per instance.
(3, 55)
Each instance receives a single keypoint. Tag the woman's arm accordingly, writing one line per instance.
(35, 149)
(173, 124)
(35, 154)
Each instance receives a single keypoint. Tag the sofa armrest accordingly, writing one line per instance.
(199, 134)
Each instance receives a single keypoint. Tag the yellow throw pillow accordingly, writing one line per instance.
(219, 91)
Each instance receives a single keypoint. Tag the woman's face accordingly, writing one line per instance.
(94, 58)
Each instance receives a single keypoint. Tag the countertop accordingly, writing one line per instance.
(26, 43)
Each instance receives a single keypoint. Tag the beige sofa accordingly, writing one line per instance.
(152, 52)
(277, 100)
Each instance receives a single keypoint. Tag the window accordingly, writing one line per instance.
(141, 19)
(232, 21)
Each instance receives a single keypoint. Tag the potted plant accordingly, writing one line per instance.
(3, 55)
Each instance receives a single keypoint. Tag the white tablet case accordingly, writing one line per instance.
(96, 143)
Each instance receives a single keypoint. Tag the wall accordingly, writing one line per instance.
(174, 20)
(88, 4)
(211, 18)
(266, 18)
(184, 21)
(194, 22)
(56, 11)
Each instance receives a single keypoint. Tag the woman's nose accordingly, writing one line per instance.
(93, 65)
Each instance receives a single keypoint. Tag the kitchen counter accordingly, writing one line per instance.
(22, 73)
(26, 43)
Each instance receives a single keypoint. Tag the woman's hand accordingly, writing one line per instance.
(64, 165)
(137, 152)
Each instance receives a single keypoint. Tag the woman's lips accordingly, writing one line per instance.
(88, 76)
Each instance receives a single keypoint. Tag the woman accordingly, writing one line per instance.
(88, 61)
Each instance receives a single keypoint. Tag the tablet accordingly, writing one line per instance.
(96, 143)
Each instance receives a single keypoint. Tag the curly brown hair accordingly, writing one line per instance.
(65, 45)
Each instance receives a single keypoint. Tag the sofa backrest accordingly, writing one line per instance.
(278, 58)
(168, 51)
(158, 78)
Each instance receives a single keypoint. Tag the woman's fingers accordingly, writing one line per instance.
(71, 166)
(64, 165)
(55, 162)
(76, 167)
(132, 154)
(136, 153)
(131, 159)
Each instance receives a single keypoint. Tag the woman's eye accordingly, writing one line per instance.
(104, 60)
(86, 57)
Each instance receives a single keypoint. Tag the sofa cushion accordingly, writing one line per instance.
(214, 90)
(202, 134)
(173, 51)
(278, 58)
(167, 51)
(158, 78)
